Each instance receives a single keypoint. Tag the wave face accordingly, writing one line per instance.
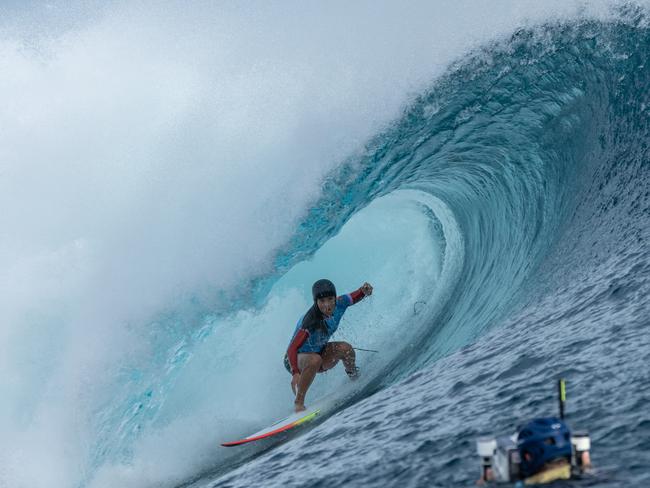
(503, 219)
(538, 150)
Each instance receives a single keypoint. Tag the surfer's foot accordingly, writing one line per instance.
(298, 407)
(353, 374)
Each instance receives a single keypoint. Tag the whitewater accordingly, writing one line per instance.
(174, 178)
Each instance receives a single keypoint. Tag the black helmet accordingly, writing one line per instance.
(322, 289)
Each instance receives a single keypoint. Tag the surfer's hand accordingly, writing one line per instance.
(294, 382)
(366, 288)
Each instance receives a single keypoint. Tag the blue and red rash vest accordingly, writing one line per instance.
(314, 329)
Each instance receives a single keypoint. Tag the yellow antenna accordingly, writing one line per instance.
(562, 391)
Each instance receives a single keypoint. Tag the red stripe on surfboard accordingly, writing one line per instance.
(268, 434)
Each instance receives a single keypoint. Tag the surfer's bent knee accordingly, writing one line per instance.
(346, 347)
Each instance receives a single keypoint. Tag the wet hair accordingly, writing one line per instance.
(314, 319)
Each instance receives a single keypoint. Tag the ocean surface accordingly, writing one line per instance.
(169, 203)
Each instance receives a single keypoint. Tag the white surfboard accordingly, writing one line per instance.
(283, 425)
(320, 408)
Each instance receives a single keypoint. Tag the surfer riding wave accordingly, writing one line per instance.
(309, 351)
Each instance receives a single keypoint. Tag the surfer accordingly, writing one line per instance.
(309, 351)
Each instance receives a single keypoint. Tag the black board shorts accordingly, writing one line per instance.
(286, 363)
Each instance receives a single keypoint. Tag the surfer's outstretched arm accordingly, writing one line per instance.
(358, 295)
